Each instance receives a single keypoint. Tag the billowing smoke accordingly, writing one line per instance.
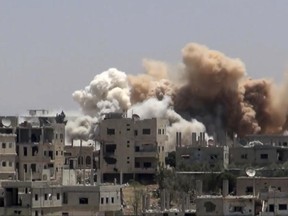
(215, 95)
(107, 92)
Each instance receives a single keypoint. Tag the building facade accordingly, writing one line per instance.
(131, 148)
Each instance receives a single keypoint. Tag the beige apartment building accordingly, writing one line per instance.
(39, 198)
(79, 157)
(31, 149)
(131, 147)
(40, 149)
(7, 148)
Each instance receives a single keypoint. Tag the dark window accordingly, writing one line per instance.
(238, 208)
(137, 164)
(3, 163)
(45, 196)
(110, 148)
(34, 150)
(271, 208)
(264, 156)
(25, 151)
(102, 200)
(25, 168)
(36, 213)
(147, 164)
(107, 200)
(244, 156)
(17, 150)
(80, 160)
(159, 131)
(3, 145)
(83, 200)
(135, 133)
(213, 157)
(249, 190)
(33, 167)
(56, 153)
(282, 207)
(146, 131)
(110, 131)
(58, 196)
(128, 129)
(88, 160)
(65, 198)
(36, 197)
(112, 199)
(137, 148)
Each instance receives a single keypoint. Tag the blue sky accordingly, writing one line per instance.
(48, 49)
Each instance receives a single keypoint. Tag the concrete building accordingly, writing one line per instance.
(258, 155)
(131, 147)
(274, 203)
(246, 185)
(8, 147)
(45, 198)
(79, 157)
(40, 148)
(201, 158)
(225, 206)
(32, 147)
(267, 139)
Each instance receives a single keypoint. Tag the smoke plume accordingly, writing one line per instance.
(215, 96)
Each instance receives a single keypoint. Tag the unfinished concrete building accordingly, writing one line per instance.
(8, 147)
(40, 148)
(200, 155)
(130, 147)
(32, 147)
(258, 155)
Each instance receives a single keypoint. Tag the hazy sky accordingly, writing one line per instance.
(48, 49)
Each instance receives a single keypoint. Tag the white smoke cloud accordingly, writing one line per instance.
(80, 128)
(154, 108)
(107, 92)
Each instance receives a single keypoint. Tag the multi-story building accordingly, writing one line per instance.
(131, 147)
(200, 154)
(258, 155)
(40, 146)
(39, 198)
(32, 147)
(7, 148)
(202, 158)
(79, 157)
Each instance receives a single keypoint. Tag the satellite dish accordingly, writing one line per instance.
(250, 172)
(6, 122)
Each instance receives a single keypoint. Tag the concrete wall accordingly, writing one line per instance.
(7, 156)
(207, 206)
(245, 185)
(205, 157)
